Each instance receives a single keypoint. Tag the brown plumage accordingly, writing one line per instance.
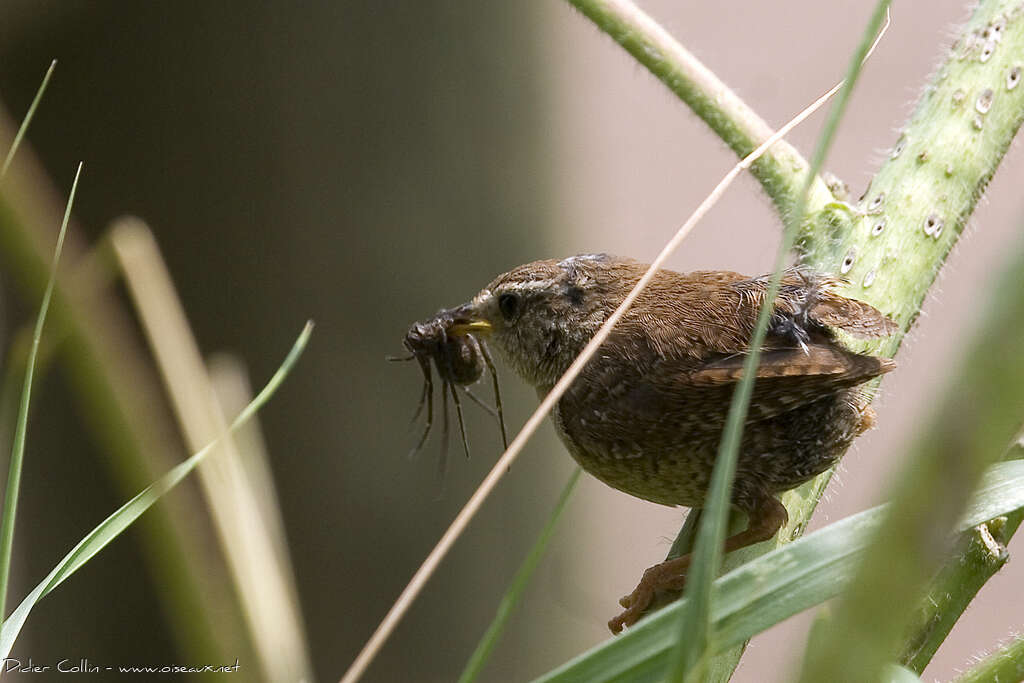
(646, 414)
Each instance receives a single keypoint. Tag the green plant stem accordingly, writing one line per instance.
(771, 588)
(892, 245)
(918, 205)
(944, 161)
(125, 516)
(951, 591)
(21, 425)
(515, 591)
(1004, 666)
(977, 415)
(691, 658)
(780, 171)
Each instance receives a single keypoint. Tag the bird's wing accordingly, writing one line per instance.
(705, 313)
(789, 378)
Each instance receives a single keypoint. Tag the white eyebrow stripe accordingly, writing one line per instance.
(532, 285)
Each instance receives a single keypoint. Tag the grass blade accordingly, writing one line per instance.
(773, 587)
(18, 446)
(974, 417)
(261, 577)
(27, 120)
(515, 590)
(691, 655)
(115, 524)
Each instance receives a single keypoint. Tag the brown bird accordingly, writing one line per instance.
(646, 414)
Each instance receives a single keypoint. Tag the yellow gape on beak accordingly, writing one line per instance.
(477, 326)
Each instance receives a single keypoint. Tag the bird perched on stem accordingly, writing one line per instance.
(646, 414)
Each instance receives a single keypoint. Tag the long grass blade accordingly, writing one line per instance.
(975, 416)
(694, 630)
(27, 120)
(773, 587)
(18, 446)
(262, 582)
(515, 590)
(115, 524)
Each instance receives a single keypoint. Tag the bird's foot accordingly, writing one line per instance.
(669, 575)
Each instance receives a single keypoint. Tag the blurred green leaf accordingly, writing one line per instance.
(519, 582)
(21, 426)
(115, 524)
(690, 658)
(774, 587)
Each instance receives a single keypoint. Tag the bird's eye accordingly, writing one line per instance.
(508, 304)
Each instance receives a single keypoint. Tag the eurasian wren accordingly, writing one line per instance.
(646, 414)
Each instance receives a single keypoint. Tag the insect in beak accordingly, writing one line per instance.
(450, 340)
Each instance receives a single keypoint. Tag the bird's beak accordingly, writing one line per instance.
(478, 326)
(466, 321)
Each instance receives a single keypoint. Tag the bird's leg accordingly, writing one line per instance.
(766, 518)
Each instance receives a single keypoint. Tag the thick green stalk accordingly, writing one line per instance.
(1003, 666)
(892, 245)
(948, 594)
(977, 415)
(912, 215)
(691, 659)
(780, 171)
(956, 584)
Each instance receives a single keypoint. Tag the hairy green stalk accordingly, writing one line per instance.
(893, 243)
(1006, 664)
(951, 590)
(691, 656)
(976, 417)
(780, 171)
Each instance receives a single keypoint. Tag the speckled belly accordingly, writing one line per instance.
(776, 454)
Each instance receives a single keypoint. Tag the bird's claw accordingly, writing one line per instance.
(635, 604)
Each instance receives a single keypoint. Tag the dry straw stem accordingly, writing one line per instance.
(119, 396)
(691, 659)
(430, 564)
(265, 586)
(780, 171)
(892, 244)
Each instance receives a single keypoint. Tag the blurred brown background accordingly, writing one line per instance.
(364, 164)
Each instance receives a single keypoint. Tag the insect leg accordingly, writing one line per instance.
(442, 463)
(426, 396)
(458, 413)
(497, 392)
(477, 400)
